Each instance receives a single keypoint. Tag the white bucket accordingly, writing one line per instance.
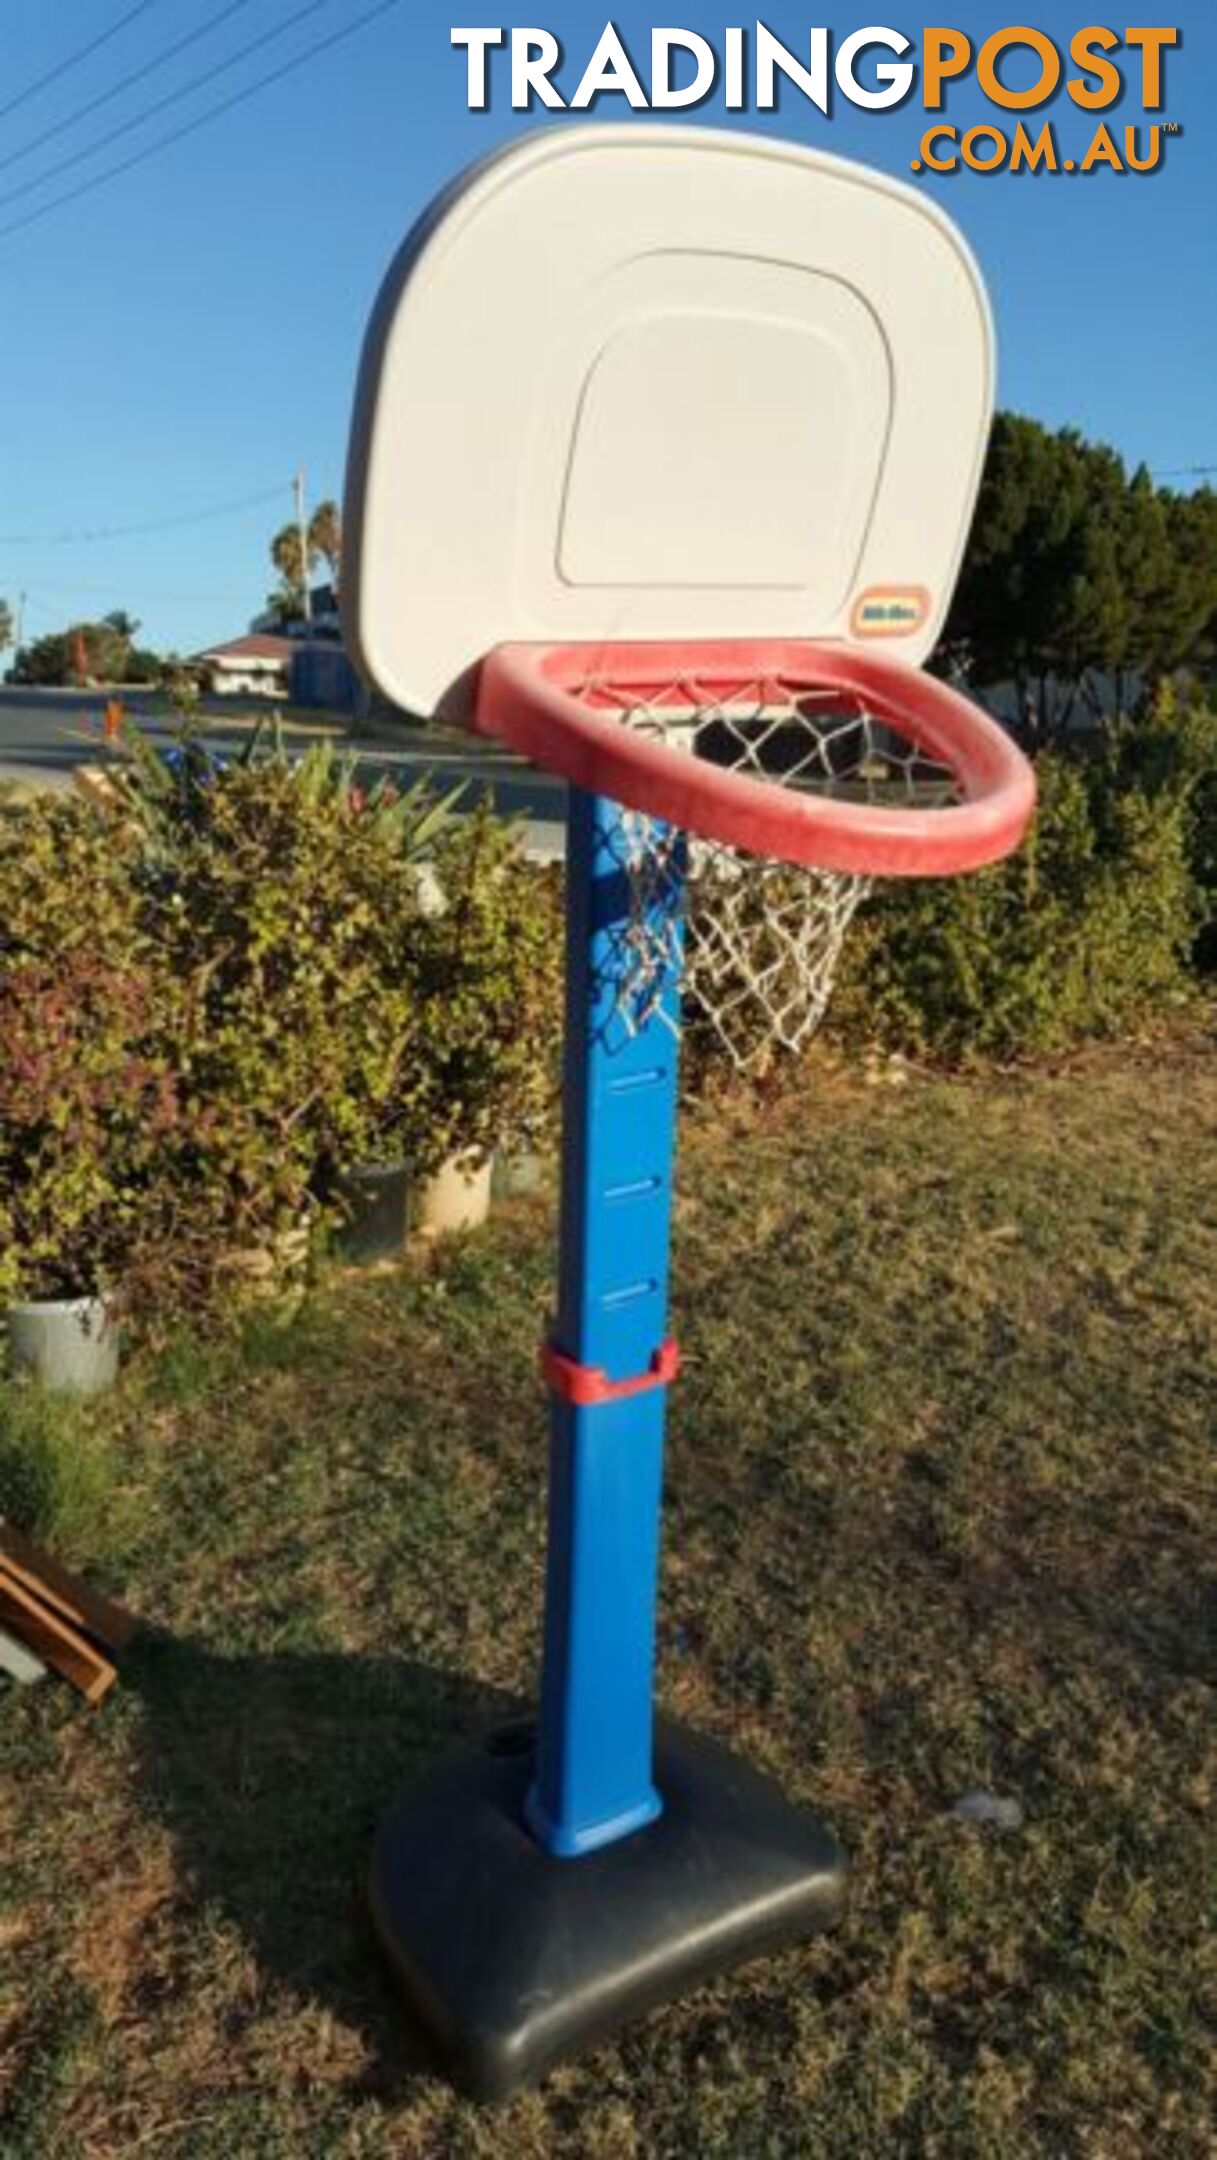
(70, 1344)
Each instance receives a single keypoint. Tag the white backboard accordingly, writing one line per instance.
(662, 382)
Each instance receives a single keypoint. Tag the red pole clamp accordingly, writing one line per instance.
(588, 1385)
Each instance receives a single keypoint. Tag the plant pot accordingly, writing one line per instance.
(456, 1198)
(70, 1344)
(375, 1202)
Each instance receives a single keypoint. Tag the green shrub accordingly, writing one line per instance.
(284, 904)
(1106, 916)
(485, 964)
(227, 981)
(1086, 931)
(1171, 756)
(89, 1100)
(67, 882)
(366, 974)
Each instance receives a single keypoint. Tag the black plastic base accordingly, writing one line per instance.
(510, 1960)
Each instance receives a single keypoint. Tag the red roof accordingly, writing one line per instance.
(257, 645)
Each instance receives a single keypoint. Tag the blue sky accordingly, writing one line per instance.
(185, 335)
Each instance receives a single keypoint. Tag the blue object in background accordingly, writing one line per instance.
(322, 676)
(593, 1781)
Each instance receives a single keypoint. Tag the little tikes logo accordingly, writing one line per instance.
(746, 68)
(889, 611)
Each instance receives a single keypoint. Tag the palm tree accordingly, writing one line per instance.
(285, 553)
(325, 538)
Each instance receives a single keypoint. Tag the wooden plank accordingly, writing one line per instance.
(53, 1640)
(19, 1663)
(64, 1592)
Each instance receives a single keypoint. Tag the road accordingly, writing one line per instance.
(46, 734)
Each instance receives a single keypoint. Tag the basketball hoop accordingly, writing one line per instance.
(701, 417)
(798, 772)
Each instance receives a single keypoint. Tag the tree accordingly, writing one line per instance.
(1192, 619)
(286, 555)
(46, 660)
(324, 544)
(325, 538)
(6, 625)
(84, 652)
(283, 602)
(1080, 584)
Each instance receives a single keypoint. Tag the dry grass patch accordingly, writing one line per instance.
(938, 1519)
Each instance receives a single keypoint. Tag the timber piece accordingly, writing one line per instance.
(64, 1592)
(53, 1639)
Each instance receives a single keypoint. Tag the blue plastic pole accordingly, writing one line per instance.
(593, 1773)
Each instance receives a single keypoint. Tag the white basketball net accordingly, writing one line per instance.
(762, 939)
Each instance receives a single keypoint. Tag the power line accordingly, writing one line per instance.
(214, 112)
(148, 525)
(125, 82)
(160, 105)
(1184, 472)
(146, 592)
(62, 67)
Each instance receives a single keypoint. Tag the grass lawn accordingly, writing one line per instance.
(936, 1521)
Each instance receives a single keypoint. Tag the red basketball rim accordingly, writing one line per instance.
(529, 696)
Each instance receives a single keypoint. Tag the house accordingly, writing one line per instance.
(319, 672)
(258, 664)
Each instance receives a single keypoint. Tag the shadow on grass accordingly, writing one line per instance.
(270, 1771)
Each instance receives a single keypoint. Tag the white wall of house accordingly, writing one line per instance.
(248, 678)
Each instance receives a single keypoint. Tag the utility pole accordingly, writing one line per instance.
(302, 529)
(19, 626)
